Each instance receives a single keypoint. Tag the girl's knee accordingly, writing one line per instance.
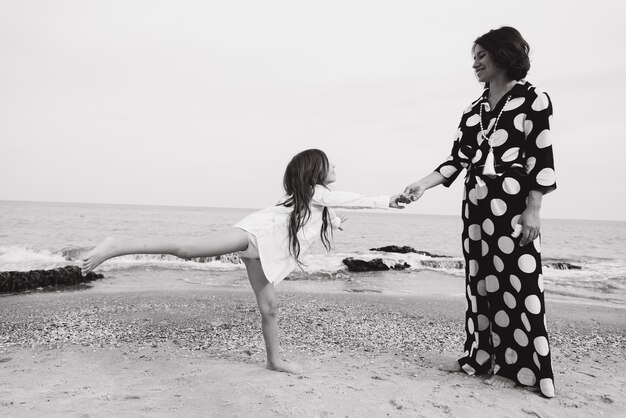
(268, 309)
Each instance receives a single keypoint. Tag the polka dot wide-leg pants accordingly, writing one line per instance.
(505, 319)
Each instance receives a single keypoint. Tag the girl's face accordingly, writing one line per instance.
(330, 176)
(484, 66)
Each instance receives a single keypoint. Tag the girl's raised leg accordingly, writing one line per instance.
(266, 300)
(223, 242)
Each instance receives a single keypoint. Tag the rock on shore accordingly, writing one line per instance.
(377, 264)
(406, 249)
(17, 281)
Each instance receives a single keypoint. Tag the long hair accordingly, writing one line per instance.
(508, 49)
(306, 170)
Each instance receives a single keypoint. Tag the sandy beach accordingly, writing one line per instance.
(102, 350)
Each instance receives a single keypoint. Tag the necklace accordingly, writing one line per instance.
(489, 168)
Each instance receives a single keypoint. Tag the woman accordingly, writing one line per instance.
(503, 141)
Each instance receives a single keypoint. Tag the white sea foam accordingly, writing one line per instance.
(25, 258)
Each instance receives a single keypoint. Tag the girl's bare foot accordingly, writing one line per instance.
(451, 367)
(95, 257)
(283, 366)
(500, 382)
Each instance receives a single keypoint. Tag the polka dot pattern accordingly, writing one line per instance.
(502, 319)
(482, 357)
(482, 192)
(472, 121)
(531, 162)
(518, 122)
(525, 321)
(541, 346)
(543, 139)
(526, 377)
(498, 138)
(481, 288)
(511, 186)
(533, 305)
(527, 263)
(473, 268)
(498, 207)
(448, 170)
(477, 157)
(514, 104)
(506, 245)
(510, 356)
(492, 283)
(546, 177)
(498, 264)
(515, 282)
(509, 300)
(505, 321)
(483, 322)
(520, 337)
(546, 386)
(488, 227)
(474, 232)
(540, 103)
(495, 339)
(528, 127)
(484, 248)
(510, 155)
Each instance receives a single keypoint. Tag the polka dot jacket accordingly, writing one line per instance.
(520, 139)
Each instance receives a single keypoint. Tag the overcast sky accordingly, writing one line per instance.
(203, 103)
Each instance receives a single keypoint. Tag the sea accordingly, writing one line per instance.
(584, 260)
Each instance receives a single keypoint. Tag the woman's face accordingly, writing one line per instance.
(484, 66)
(331, 177)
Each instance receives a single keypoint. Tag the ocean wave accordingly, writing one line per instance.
(25, 258)
(605, 276)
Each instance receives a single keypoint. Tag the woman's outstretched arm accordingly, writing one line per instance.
(417, 189)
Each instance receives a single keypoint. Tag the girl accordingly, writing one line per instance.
(270, 241)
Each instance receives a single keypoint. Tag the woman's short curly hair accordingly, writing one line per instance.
(508, 50)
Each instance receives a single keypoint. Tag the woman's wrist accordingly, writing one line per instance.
(534, 200)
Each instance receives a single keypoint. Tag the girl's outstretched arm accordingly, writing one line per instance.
(336, 199)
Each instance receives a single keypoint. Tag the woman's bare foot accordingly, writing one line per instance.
(500, 382)
(283, 366)
(451, 367)
(97, 256)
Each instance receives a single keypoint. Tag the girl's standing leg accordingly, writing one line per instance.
(266, 300)
(227, 241)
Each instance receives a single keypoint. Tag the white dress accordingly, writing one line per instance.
(269, 227)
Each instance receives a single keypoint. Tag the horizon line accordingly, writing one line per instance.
(398, 212)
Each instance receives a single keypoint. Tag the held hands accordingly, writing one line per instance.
(395, 200)
(415, 190)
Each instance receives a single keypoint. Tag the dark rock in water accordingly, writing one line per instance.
(395, 249)
(562, 265)
(16, 281)
(377, 264)
(406, 249)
